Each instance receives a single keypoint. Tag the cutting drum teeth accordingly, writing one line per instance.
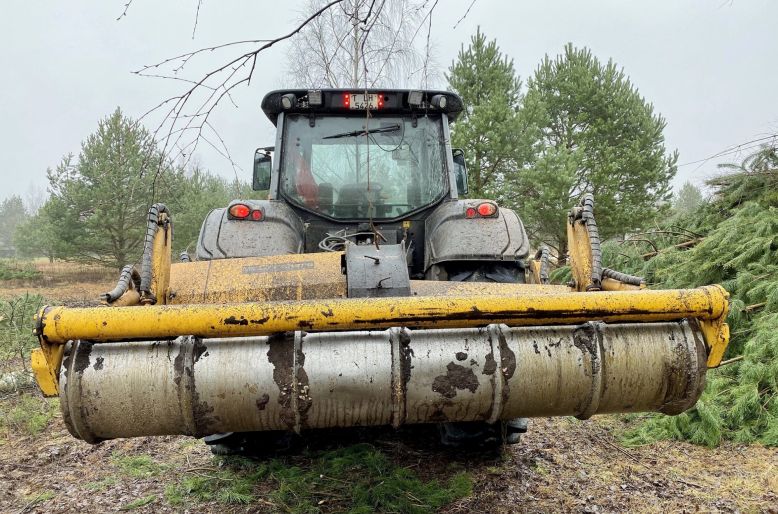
(298, 381)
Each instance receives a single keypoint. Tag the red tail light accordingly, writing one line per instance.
(487, 209)
(240, 211)
(256, 215)
(482, 210)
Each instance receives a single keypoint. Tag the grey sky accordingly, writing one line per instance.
(708, 66)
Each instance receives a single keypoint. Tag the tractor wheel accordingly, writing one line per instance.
(251, 444)
(479, 434)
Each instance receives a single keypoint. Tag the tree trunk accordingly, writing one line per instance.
(355, 78)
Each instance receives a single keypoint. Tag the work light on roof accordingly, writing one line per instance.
(438, 101)
(314, 97)
(288, 100)
(415, 98)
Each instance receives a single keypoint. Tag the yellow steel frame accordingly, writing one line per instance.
(61, 324)
(180, 287)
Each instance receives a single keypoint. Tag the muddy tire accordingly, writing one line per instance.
(479, 434)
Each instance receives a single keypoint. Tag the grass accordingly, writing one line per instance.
(356, 479)
(140, 502)
(37, 499)
(28, 414)
(137, 466)
(18, 270)
(101, 485)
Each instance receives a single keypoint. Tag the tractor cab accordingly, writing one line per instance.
(356, 166)
(376, 155)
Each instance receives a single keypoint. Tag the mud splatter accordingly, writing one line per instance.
(457, 377)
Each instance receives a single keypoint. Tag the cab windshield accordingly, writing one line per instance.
(349, 168)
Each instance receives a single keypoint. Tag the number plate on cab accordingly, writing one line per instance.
(363, 101)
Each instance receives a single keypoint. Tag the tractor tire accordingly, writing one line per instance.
(479, 434)
(251, 444)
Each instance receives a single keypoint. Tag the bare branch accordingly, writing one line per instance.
(197, 18)
(124, 12)
(464, 15)
(179, 120)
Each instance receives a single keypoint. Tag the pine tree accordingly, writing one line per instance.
(687, 200)
(490, 130)
(12, 214)
(598, 135)
(103, 196)
(736, 235)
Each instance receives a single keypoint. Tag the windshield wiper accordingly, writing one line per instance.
(354, 133)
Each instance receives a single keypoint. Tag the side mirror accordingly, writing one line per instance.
(262, 166)
(460, 170)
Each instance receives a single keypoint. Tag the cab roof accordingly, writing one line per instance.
(339, 101)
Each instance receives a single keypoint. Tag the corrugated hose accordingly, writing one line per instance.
(587, 215)
(128, 273)
(542, 255)
(152, 225)
(623, 277)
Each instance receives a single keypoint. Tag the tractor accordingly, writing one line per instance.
(368, 289)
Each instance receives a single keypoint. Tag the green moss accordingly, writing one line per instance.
(101, 485)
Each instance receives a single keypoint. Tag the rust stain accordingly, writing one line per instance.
(232, 320)
(490, 365)
(508, 360)
(438, 416)
(198, 349)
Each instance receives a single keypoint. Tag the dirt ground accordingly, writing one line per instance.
(561, 465)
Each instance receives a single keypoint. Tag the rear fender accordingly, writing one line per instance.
(279, 232)
(450, 236)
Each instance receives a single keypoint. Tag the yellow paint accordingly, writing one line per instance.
(160, 260)
(46, 362)
(609, 284)
(248, 319)
(254, 279)
(716, 333)
(130, 297)
(580, 250)
(534, 267)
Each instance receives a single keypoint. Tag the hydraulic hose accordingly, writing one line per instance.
(128, 273)
(623, 277)
(542, 256)
(587, 215)
(152, 225)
